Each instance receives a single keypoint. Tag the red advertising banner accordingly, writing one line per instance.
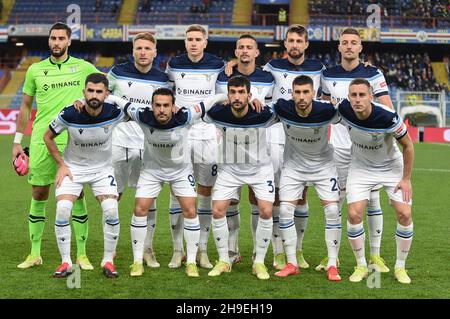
(8, 118)
(436, 135)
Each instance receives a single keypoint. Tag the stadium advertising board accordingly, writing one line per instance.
(367, 34)
(315, 33)
(8, 118)
(133, 30)
(261, 34)
(172, 31)
(415, 35)
(29, 30)
(436, 135)
(111, 33)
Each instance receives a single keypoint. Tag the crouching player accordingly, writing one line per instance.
(86, 160)
(166, 159)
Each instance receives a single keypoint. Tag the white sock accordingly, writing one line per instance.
(263, 235)
(151, 226)
(374, 222)
(62, 229)
(254, 223)
(138, 233)
(111, 228)
(176, 223)
(403, 237)
(204, 215)
(220, 232)
(288, 232)
(234, 223)
(333, 232)
(301, 222)
(357, 237)
(192, 236)
(277, 243)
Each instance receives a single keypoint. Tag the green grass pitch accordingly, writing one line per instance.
(427, 263)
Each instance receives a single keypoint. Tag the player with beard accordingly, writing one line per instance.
(55, 82)
(135, 81)
(86, 161)
(284, 71)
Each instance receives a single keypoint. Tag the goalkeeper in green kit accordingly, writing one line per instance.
(55, 82)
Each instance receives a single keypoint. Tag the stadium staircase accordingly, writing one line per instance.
(242, 12)
(12, 92)
(298, 12)
(7, 7)
(128, 11)
(440, 73)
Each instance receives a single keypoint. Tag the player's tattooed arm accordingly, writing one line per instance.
(63, 170)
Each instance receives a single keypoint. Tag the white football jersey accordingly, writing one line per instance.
(166, 150)
(335, 83)
(374, 139)
(129, 83)
(194, 82)
(307, 148)
(243, 147)
(89, 146)
(284, 73)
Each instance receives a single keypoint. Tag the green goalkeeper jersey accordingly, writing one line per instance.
(55, 86)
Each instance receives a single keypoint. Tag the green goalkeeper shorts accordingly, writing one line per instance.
(43, 167)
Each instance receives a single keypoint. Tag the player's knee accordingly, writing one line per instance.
(63, 210)
(332, 215)
(265, 212)
(218, 212)
(354, 217)
(404, 216)
(189, 212)
(110, 209)
(40, 192)
(140, 211)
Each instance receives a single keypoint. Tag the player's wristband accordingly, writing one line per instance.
(18, 138)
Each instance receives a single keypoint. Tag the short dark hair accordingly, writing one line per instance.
(239, 80)
(248, 36)
(97, 78)
(351, 31)
(299, 29)
(163, 91)
(61, 26)
(359, 81)
(302, 80)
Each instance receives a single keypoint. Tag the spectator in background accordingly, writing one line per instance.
(114, 9)
(447, 66)
(146, 6)
(282, 17)
(193, 8)
(98, 5)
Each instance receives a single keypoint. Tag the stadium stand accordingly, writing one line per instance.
(184, 12)
(46, 11)
(411, 13)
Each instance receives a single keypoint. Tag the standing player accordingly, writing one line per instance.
(244, 162)
(194, 74)
(308, 158)
(335, 84)
(135, 81)
(261, 88)
(56, 82)
(285, 71)
(166, 159)
(374, 131)
(86, 160)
